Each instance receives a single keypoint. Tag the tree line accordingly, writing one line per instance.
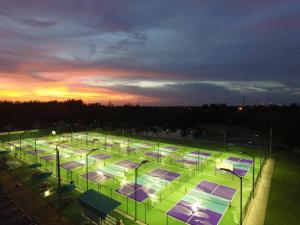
(209, 120)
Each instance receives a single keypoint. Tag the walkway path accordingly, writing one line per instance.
(31, 202)
(258, 208)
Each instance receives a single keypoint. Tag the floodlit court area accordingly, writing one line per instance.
(155, 181)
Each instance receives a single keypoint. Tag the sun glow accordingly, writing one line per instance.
(64, 92)
(63, 86)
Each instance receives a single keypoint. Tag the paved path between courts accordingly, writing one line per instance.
(31, 202)
(258, 207)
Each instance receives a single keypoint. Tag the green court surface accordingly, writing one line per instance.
(170, 176)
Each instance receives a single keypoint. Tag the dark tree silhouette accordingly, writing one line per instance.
(136, 119)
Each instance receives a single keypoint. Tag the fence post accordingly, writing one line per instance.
(145, 210)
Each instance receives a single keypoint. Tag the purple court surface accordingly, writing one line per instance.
(234, 159)
(240, 172)
(100, 156)
(200, 216)
(48, 157)
(164, 174)
(141, 193)
(97, 177)
(206, 154)
(143, 145)
(37, 151)
(155, 154)
(128, 164)
(216, 189)
(130, 149)
(185, 211)
(186, 161)
(194, 161)
(71, 165)
(172, 148)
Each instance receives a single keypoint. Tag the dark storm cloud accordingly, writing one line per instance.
(195, 41)
(186, 94)
(198, 92)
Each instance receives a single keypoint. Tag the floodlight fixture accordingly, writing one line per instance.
(241, 191)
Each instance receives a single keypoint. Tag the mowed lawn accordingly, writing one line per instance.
(284, 199)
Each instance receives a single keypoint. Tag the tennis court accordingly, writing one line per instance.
(194, 158)
(114, 169)
(162, 152)
(71, 165)
(240, 166)
(100, 156)
(205, 204)
(147, 184)
(97, 176)
(128, 164)
(48, 157)
(38, 151)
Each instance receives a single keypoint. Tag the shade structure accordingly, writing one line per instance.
(97, 203)
(41, 176)
(35, 165)
(67, 188)
(4, 152)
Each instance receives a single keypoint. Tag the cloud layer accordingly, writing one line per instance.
(167, 52)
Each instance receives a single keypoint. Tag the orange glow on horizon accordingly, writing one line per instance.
(61, 86)
(63, 93)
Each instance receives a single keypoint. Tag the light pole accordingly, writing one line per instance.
(58, 177)
(135, 186)
(241, 192)
(271, 136)
(265, 149)
(71, 126)
(224, 139)
(158, 150)
(35, 154)
(20, 149)
(253, 169)
(128, 146)
(105, 142)
(87, 167)
(158, 147)
(8, 133)
(199, 161)
(86, 137)
(258, 144)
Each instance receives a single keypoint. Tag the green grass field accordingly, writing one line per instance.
(284, 198)
(152, 210)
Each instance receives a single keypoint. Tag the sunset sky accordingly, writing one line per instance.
(156, 52)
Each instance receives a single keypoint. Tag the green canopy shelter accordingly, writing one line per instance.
(97, 206)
